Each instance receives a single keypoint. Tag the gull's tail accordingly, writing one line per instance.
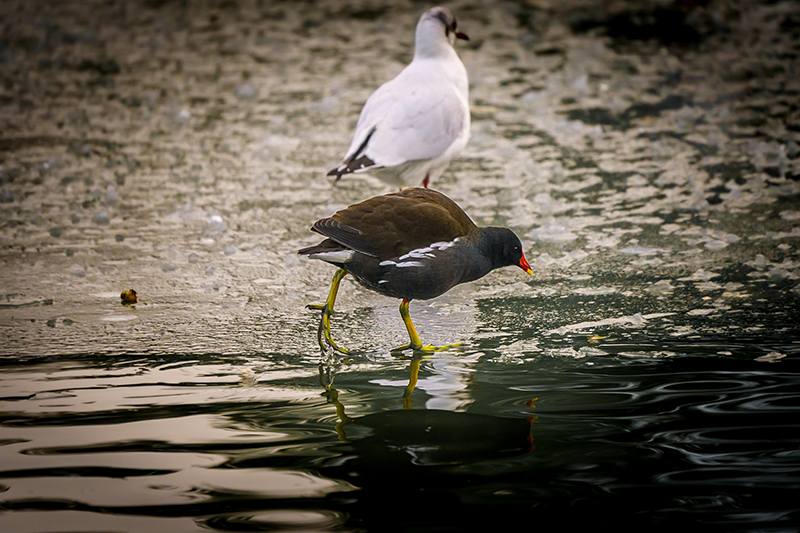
(356, 162)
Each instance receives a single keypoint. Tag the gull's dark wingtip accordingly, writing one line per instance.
(338, 172)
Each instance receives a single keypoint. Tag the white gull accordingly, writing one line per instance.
(413, 125)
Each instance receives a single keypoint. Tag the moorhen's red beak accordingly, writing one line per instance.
(523, 264)
(461, 35)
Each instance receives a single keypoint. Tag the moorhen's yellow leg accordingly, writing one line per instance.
(416, 343)
(327, 311)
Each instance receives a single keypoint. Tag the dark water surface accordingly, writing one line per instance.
(646, 378)
(184, 443)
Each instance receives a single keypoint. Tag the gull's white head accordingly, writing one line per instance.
(437, 32)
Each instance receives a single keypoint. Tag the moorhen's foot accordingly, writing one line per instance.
(416, 344)
(324, 330)
(317, 307)
(428, 348)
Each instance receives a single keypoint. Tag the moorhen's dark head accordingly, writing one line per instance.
(504, 248)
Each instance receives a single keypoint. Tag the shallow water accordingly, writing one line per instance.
(645, 377)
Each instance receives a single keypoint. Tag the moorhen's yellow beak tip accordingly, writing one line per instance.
(524, 265)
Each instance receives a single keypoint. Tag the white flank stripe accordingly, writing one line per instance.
(420, 253)
(342, 256)
(444, 245)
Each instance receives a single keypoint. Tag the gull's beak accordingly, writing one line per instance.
(461, 35)
(523, 264)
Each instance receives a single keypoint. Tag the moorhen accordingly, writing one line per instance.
(413, 244)
(412, 126)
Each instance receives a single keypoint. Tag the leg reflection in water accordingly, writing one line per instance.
(426, 436)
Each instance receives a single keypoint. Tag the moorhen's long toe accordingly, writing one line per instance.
(416, 343)
(327, 310)
(413, 244)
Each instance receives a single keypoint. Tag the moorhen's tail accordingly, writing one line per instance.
(324, 247)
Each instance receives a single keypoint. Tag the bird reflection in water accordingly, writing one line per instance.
(425, 437)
